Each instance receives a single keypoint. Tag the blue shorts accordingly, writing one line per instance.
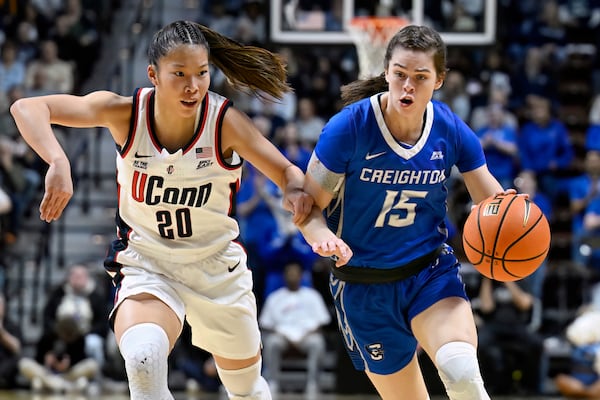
(374, 319)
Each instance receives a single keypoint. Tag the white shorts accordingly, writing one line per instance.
(214, 294)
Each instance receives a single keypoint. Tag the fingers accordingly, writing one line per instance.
(336, 249)
(52, 206)
(512, 191)
(301, 208)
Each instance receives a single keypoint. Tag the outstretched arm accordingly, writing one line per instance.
(239, 134)
(34, 117)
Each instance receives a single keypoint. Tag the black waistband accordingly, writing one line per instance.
(352, 274)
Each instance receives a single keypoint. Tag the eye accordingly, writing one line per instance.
(178, 73)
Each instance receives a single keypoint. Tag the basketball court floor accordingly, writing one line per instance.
(26, 395)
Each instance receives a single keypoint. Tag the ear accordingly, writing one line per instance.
(152, 75)
(438, 84)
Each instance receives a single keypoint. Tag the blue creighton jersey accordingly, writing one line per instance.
(391, 205)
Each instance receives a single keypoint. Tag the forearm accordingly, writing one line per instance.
(12, 343)
(486, 296)
(314, 228)
(33, 121)
(293, 179)
(521, 299)
(591, 221)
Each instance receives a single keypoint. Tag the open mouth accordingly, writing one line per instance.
(406, 101)
(189, 103)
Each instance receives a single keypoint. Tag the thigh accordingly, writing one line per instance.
(144, 296)
(441, 312)
(375, 330)
(221, 306)
(143, 308)
(227, 330)
(448, 320)
(406, 384)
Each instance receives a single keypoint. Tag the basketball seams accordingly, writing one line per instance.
(507, 229)
(497, 236)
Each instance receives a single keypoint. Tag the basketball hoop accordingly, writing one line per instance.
(370, 35)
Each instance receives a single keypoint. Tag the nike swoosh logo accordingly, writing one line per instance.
(136, 155)
(371, 156)
(231, 269)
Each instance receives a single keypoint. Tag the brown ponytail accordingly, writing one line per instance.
(246, 67)
(363, 88)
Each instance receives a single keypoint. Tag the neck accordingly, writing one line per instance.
(173, 131)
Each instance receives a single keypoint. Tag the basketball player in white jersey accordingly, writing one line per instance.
(179, 155)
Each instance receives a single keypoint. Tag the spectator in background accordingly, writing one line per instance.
(499, 142)
(77, 37)
(60, 363)
(583, 378)
(56, 75)
(592, 136)
(454, 93)
(27, 42)
(288, 141)
(496, 97)
(197, 364)
(494, 76)
(5, 202)
(80, 299)
(308, 123)
(19, 170)
(251, 25)
(545, 147)
(292, 318)
(218, 19)
(509, 316)
(535, 76)
(526, 182)
(36, 18)
(591, 235)
(10, 348)
(12, 71)
(582, 191)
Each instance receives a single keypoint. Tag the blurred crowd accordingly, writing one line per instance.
(532, 97)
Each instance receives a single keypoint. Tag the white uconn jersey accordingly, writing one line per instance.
(176, 207)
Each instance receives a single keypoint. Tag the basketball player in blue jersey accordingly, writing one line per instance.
(379, 171)
(179, 154)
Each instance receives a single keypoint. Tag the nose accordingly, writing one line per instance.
(191, 85)
(408, 85)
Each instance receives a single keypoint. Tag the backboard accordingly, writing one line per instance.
(326, 21)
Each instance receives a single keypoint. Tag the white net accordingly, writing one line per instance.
(370, 36)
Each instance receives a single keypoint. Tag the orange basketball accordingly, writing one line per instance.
(506, 237)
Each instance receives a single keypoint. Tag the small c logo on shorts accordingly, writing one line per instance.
(376, 351)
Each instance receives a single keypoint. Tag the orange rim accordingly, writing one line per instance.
(378, 22)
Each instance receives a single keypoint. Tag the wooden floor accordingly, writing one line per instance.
(26, 395)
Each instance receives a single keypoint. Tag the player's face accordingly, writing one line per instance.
(182, 78)
(412, 78)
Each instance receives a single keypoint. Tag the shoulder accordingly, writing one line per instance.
(443, 113)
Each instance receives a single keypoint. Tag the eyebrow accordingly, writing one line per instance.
(416, 70)
(179, 65)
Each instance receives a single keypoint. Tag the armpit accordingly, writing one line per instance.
(330, 181)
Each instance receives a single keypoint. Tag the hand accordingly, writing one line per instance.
(511, 191)
(335, 248)
(299, 203)
(59, 190)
